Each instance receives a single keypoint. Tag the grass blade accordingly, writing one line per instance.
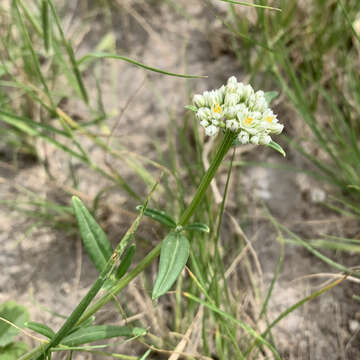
(102, 55)
(244, 326)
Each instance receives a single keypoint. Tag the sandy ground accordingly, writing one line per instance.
(47, 270)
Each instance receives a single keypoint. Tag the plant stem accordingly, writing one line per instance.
(200, 192)
(149, 258)
(79, 315)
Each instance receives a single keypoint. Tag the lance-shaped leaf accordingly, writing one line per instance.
(191, 108)
(40, 329)
(158, 215)
(125, 262)
(198, 227)
(100, 332)
(173, 257)
(277, 147)
(95, 241)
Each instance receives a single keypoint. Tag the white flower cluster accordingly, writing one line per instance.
(239, 108)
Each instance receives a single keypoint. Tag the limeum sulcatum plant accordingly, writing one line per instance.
(242, 116)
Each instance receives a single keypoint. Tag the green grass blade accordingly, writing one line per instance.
(244, 326)
(29, 45)
(251, 5)
(45, 24)
(70, 53)
(101, 55)
(303, 301)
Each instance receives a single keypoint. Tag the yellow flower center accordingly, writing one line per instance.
(217, 108)
(269, 119)
(249, 120)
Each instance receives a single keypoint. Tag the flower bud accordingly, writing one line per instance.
(255, 140)
(199, 101)
(264, 139)
(211, 130)
(231, 99)
(203, 113)
(243, 137)
(232, 125)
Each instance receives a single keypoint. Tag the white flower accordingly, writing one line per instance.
(238, 108)
(199, 101)
(264, 139)
(232, 111)
(207, 99)
(204, 123)
(216, 111)
(260, 103)
(243, 137)
(232, 125)
(231, 99)
(232, 84)
(211, 130)
(203, 113)
(249, 122)
(270, 122)
(247, 91)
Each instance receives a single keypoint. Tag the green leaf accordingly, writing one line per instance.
(173, 257)
(198, 227)
(191, 107)
(270, 96)
(13, 351)
(125, 262)
(277, 147)
(101, 55)
(40, 329)
(100, 332)
(95, 241)
(15, 314)
(158, 215)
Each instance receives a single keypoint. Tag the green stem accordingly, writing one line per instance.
(223, 149)
(123, 282)
(75, 315)
(79, 315)
(205, 182)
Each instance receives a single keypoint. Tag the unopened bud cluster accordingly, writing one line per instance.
(239, 108)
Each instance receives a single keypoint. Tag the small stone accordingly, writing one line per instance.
(317, 195)
(354, 325)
